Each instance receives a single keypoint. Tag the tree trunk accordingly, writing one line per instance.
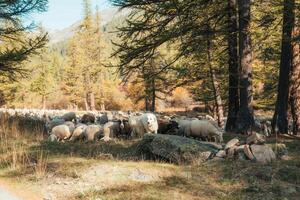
(92, 100)
(245, 118)
(44, 102)
(295, 80)
(86, 102)
(153, 95)
(280, 120)
(216, 89)
(233, 92)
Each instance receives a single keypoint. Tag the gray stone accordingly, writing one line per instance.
(175, 149)
(262, 153)
(248, 152)
(221, 154)
(231, 152)
(232, 143)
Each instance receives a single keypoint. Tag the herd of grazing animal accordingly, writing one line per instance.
(62, 125)
(108, 125)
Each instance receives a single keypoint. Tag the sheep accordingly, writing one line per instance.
(113, 129)
(168, 126)
(201, 129)
(204, 129)
(61, 132)
(71, 126)
(88, 118)
(93, 132)
(52, 138)
(70, 116)
(50, 124)
(78, 133)
(146, 123)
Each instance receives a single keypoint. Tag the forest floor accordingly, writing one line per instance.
(34, 169)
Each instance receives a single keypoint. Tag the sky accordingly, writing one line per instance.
(63, 13)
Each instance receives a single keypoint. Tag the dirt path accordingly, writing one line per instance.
(4, 194)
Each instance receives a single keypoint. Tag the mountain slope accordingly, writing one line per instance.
(109, 18)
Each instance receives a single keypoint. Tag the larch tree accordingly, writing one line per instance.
(233, 70)
(245, 118)
(280, 118)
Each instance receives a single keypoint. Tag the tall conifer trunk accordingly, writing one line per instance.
(280, 120)
(245, 119)
(233, 92)
(295, 80)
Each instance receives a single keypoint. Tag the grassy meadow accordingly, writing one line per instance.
(33, 168)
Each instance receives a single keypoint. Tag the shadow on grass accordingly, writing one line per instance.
(118, 150)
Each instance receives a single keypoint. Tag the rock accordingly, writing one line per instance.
(242, 156)
(256, 138)
(262, 153)
(175, 149)
(248, 152)
(230, 152)
(232, 143)
(221, 154)
(240, 148)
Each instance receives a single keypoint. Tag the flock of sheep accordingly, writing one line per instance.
(62, 125)
(92, 126)
(109, 125)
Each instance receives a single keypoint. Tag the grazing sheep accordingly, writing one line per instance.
(62, 132)
(205, 130)
(140, 125)
(93, 132)
(102, 119)
(70, 116)
(50, 124)
(88, 118)
(112, 129)
(52, 138)
(71, 126)
(78, 133)
(201, 129)
(167, 126)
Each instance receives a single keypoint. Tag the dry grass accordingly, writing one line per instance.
(78, 171)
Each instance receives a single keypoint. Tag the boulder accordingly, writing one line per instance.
(232, 143)
(256, 138)
(248, 152)
(240, 148)
(262, 153)
(231, 152)
(221, 154)
(175, 149)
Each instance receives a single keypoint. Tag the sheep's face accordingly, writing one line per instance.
(150, 120)
(122, 126)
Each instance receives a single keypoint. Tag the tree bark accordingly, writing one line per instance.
(280, 120)
(245, 119)
(44, 102)
(216, 89)
(86, 102)
(233, 92)
(295, 80)
(153, 95)
(92, 100)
